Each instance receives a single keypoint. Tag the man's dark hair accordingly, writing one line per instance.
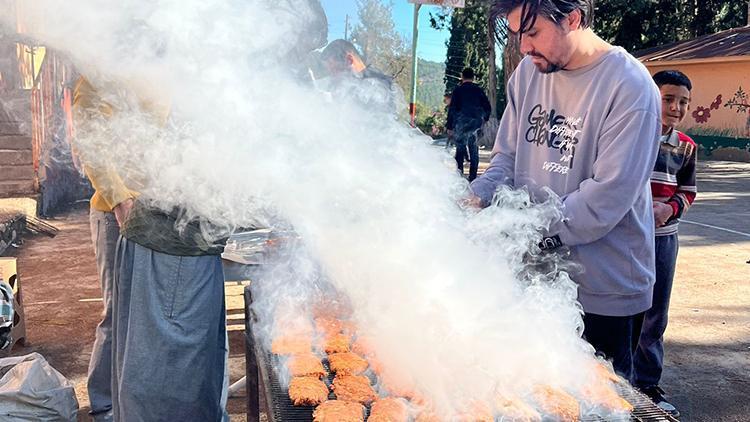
(467, 73)
(337, 51)
(554, 10)
(672, 77)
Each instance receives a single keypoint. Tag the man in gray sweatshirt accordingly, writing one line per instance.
(583, 121)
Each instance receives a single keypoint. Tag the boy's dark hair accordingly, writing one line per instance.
(672, 77)
(554, 10)
(467, 73)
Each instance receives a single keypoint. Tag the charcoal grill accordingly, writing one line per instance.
(265, 392)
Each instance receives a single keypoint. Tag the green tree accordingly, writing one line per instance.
(639, 24)
(382, 46)
(632, 24)
(430, 84)
(468, 42)
(431, 112)
(472, 34)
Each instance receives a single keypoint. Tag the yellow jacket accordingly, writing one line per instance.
(109, 188)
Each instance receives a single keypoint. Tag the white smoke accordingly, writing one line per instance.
(442, 291)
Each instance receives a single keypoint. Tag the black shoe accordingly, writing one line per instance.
(656, 394)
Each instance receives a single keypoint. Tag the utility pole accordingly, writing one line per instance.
(346, 28)
(414, 37)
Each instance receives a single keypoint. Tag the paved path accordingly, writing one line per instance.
(708, 339)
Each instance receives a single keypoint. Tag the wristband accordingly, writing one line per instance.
(550, 242)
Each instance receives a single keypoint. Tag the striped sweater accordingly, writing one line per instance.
(673, 178)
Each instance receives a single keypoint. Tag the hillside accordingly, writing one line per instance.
(431, 87)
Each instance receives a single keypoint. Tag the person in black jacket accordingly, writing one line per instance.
(469, 109)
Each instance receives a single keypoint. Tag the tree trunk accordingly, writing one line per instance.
(703, 16)
(511, 56)
(487, 139)
(492, 77)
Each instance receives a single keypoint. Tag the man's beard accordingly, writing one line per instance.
(550, 66)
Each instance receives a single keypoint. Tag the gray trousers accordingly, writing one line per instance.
(104, 234)
(169, 336)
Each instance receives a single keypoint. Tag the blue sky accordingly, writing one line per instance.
(431, 44)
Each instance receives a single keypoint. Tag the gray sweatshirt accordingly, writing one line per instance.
(590, 135)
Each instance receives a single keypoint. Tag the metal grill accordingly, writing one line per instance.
(281, 407)
(643, 408)
(264, 385)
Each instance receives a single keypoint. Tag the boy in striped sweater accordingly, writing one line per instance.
(673, 189)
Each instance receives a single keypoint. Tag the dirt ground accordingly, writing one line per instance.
(707, 371)
(62, 301)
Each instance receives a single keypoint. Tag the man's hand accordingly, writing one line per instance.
(662, 213)
(472, 201)
(122, 211)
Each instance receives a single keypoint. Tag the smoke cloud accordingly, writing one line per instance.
(212, 113)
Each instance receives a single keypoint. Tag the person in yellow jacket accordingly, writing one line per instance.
(111, 200)
(160, 349)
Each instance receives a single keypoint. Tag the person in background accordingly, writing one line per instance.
(582, 123)
(673, 189)
(468, 110)
(340, 70)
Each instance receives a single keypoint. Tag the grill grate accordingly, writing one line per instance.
(281, 408)
(644, 410)
(262, 381)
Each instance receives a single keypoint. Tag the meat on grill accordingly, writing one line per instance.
(339, 411)
(307, 391)
(397, 384)
(390, 409)
(600, 390)
(603, 395)
(363, 346)
(327, 326)
(332, 306)
(474, 412)
(477, 412)
(514, 409)
(376, 365)
(355, 388)
(291, 345)
(336, 343)
(557, 403)
(427, 416)
(347, 363)
(607, 373)
(348, 327)
(289, 321)
(305, 365)
(294, 328)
